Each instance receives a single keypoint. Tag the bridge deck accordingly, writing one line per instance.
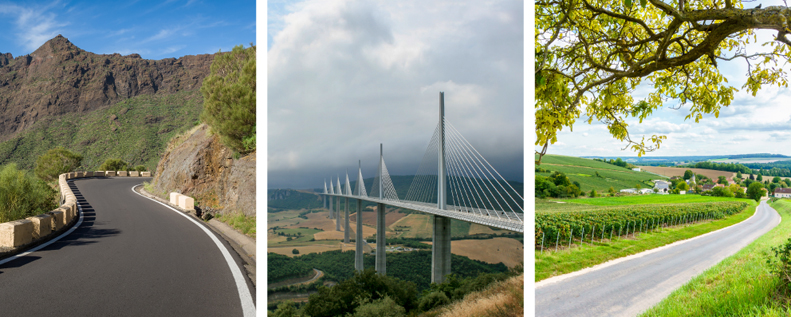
(515, 223)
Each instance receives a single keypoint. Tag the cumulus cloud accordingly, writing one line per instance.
(345, 76)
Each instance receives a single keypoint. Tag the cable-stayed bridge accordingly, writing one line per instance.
(471, 190)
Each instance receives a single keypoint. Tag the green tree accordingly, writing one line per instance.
(141, 168)
(722, 180)
(55, 162)
(611, 191)
(755, 191)
(113, 164)
(759, 178)
(559, 179)
(23, 195)
(285, 309)
(776, 179)
(229, 98)
(295, 251)
(739, 174)
(593, 193)
(592, 55)
(682, 186)
(688, 174)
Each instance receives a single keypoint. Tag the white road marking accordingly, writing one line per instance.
(248, 308)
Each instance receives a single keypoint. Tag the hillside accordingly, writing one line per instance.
(197, 164)
(101, 106)
(584, 171)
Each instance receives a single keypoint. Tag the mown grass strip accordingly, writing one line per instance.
(740, 285)
(550, 264)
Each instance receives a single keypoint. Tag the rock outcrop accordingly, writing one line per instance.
(198, 165)
(60, 78)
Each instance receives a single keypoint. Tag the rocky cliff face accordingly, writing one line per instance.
(198, 165)
(60, 78)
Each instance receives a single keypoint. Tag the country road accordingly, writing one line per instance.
(130, 256)
(628, 287)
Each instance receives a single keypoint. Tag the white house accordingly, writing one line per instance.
(636, 169)
(783, 192)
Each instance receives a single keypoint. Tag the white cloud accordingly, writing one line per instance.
(35, 25)
(345, 76)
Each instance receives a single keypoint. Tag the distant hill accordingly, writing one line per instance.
(583, 170)
(673, 160)
(100, 106)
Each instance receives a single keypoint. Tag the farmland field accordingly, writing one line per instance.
(679, 171)
(584, 171)
(497, 250)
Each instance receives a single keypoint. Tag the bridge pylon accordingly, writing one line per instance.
(358, 241)
(440, 248)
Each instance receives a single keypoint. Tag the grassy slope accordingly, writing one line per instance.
(140, 137)
(550, 264)
(740, 285)
(652, 199)
(584, 170)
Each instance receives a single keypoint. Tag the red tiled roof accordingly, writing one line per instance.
(783, 190)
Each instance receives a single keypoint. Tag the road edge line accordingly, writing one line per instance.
(555, 279)
(245, 296)
(46, 244)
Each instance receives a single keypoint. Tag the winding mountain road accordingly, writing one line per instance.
(629, 286)
(130, 256)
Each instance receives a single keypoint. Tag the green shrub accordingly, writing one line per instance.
(22, 195)
(433, 299)
(112, 164)
(229, 98)
(383, 307)
(295, 251)
(781, 266)
(55, 162)
(141, 168)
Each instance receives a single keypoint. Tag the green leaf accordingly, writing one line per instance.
(643, 3)
(627, 3)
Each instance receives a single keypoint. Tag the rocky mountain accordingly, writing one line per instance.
(60, 78)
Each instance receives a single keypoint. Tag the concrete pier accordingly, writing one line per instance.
(346, 222)
(337, 216)
(358, 251)
(380, 239)
(440, 249)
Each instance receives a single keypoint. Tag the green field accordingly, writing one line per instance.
(651, 199)
(741, 285)
(307, 235)
(584, 171)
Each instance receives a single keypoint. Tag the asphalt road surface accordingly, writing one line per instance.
(130, 256)
(631, 286)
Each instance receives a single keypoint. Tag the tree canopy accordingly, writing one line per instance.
(229, 98)
(55, 162)
(592, 54)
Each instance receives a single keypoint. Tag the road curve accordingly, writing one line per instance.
(131, 256)
(631, 286)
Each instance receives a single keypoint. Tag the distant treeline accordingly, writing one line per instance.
(728, 167)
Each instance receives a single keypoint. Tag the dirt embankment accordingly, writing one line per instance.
(198, 165)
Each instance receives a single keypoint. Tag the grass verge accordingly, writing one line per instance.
(740, 285)
(245, 224)
(550, 264)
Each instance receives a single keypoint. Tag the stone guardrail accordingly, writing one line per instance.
(19, 233)
(184, 202)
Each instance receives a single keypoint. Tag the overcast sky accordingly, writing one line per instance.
(760, 124)
(153, 29)
(345, 76)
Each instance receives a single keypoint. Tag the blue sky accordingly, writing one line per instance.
(153, 29)
(346, 75)
(760, 124)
